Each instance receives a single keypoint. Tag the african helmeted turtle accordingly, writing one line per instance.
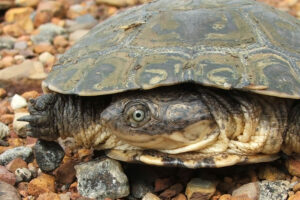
(193, 83)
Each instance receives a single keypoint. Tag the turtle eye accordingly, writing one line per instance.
(138, 115)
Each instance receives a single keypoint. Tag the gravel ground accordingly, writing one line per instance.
(34, 33)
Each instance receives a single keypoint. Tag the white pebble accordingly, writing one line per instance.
(46, 57)
(18, 102)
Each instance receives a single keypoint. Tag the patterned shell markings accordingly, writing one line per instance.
(221, 43)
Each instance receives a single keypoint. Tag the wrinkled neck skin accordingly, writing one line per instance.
(234, 122)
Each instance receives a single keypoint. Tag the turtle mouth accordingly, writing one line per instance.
(189, 159)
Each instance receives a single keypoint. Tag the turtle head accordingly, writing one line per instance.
(160, 119)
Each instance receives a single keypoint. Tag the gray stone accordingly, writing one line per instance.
(263, 190)
(8, 192)
(6, 42)
(4, 130)
(103, 178)
(47, 33)
(48, 155)
(140, 188)
(274, 190)
(82, 22)
(20, 45)
(23, 174)
(10, 154)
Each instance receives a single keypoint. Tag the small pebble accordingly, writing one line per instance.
(296, 187)
(46, 58)
(6, 42)
(20, 126)
(7, 118)
(274, 190)
(19, 59)
(76, 35)
(7, 176)
(295, 196)
(293, 166)
(23, 174)
(4, 130)
(270, 173)
(171, 191)
(15, 164)
(48, 155)
(102, 178)
(18, 102)
(41, 184)
(200, 188)
(66, 173)
(150, 196)
(8, 192)
(180, 197)
(10, 154)
(249, 190)
(21, 45)
(140, 187)
(162, 184)
(3, 92)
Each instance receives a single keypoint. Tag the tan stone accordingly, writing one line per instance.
(15, 164)
(49, 196)
(43, 47)
(3, 93)
(25, 3)
(7, 118)
(199, 188)
(293, 166)
(295, 196)
(30, 94)
(60, 41)
(296, 187)
(42, 18)
(225, 197)
(150, 196)
(13, 30)
(118, 3)
(7, 61)
(271, 173)
(250, 191)
(171, 191)
(21, 16)
(41, 184)
(179, 197)
(161, 184)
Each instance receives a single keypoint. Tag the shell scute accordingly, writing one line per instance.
(239, 44)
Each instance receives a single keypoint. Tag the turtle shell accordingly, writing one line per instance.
(229, 44)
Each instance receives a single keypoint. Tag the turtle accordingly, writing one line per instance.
(184, 83)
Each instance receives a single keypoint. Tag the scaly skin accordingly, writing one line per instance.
(187, 122)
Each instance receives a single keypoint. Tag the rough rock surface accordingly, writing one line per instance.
(103, 178)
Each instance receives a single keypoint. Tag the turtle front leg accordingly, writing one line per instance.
(55, 115)
(42, 118)
(292, 134)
